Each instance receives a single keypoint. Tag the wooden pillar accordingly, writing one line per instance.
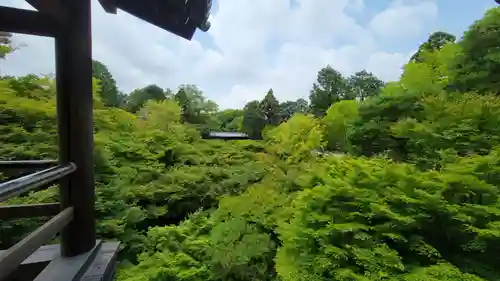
(75, 122)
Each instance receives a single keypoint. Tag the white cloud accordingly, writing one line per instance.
(256, 45)
(402, 19)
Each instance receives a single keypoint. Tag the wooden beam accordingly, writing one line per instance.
(27, 22)
(16, 254)
(8, 212)
(75, 125)
(50, 7)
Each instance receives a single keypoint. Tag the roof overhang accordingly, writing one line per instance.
(180, 17)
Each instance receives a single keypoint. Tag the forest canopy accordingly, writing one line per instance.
(367, 180)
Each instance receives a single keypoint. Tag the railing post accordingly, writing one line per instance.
(75, 122)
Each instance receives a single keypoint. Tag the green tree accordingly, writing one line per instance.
(187, 111)
(243, 236)
(422, 203)
(329, 88)
(434, 43)
(302, 106)
(253, 119)
(138, 97)
(362, 85)
(289, 108)
(269, 107)
(122, 99)
(478, 66)
(195, 108)
(108, 90)
(370, 219)
(371, 133)
(295, 140)
(236, 125)
(5, 44)
(161, 114)
(228, 120)
(338, 121)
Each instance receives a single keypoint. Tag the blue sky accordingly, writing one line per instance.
(255, 45)
(454, 17)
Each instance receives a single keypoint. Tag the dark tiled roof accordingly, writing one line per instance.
(226, 135)
(179, 17)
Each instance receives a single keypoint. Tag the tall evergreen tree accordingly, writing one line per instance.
(270, 109)
(108, 91)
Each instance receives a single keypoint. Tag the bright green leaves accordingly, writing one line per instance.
(296, 139)
(419, 120)
(134, 189)
(369, 219)
(465, 124)
(167, 266)
(163, 115)
(108, 91)
(435, 42)
(243, 239)
(478, 63)
(338, 120)
(424, 206)
(333, 231)
(5, 44)
(439, 272)
(235, 242)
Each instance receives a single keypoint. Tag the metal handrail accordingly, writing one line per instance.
(32, 181)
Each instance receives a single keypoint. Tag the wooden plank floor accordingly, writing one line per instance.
(101, 268)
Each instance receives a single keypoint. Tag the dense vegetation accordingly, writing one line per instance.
(370, 181)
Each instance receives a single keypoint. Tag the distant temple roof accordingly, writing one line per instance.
(181, 17)
(226, 135)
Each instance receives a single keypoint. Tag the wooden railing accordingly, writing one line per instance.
(69, 23)
(16, 254)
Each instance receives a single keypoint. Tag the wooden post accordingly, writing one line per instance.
(75, 121)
